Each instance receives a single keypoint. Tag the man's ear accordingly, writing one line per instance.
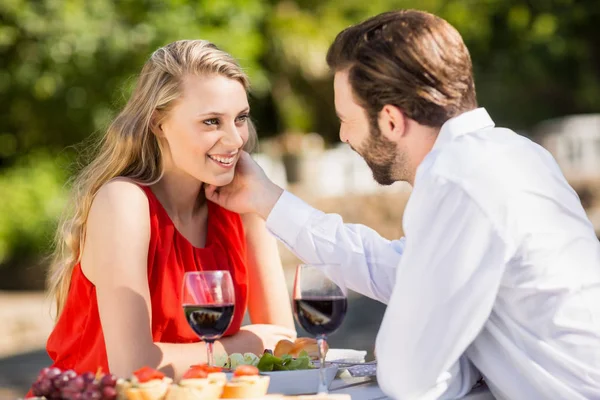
(155, 125)
(392, 122)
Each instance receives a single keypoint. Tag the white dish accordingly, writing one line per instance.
(304, 381)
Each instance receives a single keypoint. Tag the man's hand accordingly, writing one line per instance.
(251, 191)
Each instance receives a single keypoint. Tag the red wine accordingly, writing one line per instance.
(320, 315)
(210, 321)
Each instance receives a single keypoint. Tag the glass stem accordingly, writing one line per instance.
(321, 343)
(210, 360)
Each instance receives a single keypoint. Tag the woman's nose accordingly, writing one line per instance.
(233, 138)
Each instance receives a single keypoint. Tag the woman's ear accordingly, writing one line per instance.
(155, 124)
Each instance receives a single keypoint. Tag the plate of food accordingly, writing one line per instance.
(291, 366)
(290, 369)
(200, 382)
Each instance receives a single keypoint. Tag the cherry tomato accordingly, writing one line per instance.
(207, 368)
(246, 370)
(195, 372)
(146, 374)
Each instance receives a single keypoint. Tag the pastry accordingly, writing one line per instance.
(200, 382)
(146, 384)
(246, 384)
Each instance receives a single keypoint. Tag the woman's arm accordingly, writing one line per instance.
(114, 259)
(269, 300)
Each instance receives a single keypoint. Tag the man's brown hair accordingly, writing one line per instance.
(411, 59)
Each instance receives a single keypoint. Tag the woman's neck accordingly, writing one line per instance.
(180, 194)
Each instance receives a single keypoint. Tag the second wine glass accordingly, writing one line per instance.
(208, 300)
(319, 307)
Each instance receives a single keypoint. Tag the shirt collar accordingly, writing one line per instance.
(464, 123)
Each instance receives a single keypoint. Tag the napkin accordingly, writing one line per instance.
(346, 355)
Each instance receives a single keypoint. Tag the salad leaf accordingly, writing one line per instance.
(268, 362)
(236, 359)
(222, 360)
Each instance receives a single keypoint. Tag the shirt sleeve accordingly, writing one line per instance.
(367, 261)
(444, 292)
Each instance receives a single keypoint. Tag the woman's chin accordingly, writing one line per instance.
(219, 181)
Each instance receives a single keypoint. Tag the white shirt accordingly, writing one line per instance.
(498, 274)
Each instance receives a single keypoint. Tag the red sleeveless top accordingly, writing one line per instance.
(77, 341)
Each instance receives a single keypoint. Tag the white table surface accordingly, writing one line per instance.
(368, 389)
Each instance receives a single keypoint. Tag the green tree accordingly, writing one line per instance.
(66, 66)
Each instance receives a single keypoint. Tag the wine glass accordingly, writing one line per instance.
(319, 307)
(208, 300)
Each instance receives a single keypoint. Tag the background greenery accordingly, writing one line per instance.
(67, 66)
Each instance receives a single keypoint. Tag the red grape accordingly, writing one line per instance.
(54, 384)
(35, 388)
(61, 381)
(78, 383)
(108, 380)
(70, 373)
(93, 386)
(91, 395)
(53, 373)
(68, 393)
(45, 386)
(109, 393)
(88, 377)
(43, 372)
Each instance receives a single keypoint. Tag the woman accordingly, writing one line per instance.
(141, 221)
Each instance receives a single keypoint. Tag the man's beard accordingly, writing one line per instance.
(382, 156)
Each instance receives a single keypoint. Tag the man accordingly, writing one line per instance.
(499, 273)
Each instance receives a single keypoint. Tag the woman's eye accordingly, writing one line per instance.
(211, 121)
(243, 118)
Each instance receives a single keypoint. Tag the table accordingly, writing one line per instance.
(368, 389)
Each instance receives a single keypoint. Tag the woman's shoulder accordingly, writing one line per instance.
(121, 196)
(118, 214)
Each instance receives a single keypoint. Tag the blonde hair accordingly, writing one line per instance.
(129, 148)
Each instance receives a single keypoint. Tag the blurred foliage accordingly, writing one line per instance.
(66, 66)
(32, 196)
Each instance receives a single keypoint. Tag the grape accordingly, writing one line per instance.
(78, 383)
(91, 395)
(61, 381)
(45, 386)
(54, 395)
(43, 373)
(88, 377)
(71, 396)
(53, 373)
(70, 373)
(108, 380)
(35, 388)
(54, 384)
(109, 393)
(93, 386)
(68, 393)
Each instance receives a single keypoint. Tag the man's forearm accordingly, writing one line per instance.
(368, 260)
